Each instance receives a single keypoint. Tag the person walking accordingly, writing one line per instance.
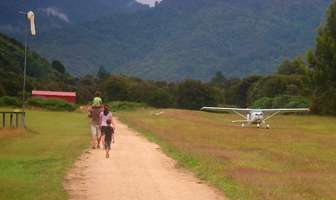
(109, 137)
(106, 125)
(94, 114)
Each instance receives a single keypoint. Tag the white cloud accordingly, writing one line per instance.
(148, 2)
(50, 11)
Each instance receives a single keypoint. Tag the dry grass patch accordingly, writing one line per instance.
(295, 159)
(8, 133)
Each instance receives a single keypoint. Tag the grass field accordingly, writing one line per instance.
(294, 160)
(33, 162)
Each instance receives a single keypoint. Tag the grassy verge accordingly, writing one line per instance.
(34, 161)
(117, 106)
(293, 160)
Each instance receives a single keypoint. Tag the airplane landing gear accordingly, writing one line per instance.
(268, 126)
(258, 125)
(242, 125)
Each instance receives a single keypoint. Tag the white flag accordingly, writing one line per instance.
(31, 18)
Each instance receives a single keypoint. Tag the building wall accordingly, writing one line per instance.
(69, 99)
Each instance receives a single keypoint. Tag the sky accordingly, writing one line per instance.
(149, 2)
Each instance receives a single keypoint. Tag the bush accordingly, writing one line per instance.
(298, 102)
(324, 102)
(265, 102)
(161, 99)
(283, 101)
(52, 104)
(116, 106)
(193, 94)
(9, 101)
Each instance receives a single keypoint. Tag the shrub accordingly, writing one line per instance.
(298, 102)
(9, 101)
(193, 94)
(265, 102)
(116, 106)
(161, 99)
(52, 104)
(324, 103)
(283, 101)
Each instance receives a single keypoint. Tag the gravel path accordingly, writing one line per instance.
(136, 170)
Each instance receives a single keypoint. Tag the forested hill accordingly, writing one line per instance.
(190, 38)
(41, 74)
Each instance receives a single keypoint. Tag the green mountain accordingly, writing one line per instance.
(40, 73)
(189, 39)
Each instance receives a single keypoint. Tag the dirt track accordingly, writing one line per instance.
(136, 170)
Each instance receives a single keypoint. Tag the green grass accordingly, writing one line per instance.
(295, 159)
(33, 162)
(117, 106)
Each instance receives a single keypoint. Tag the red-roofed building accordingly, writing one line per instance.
(66, 96)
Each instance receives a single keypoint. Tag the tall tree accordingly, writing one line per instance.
(193, 94)
(294, 67)
(58, 66)
(102, 73)
(324, 66)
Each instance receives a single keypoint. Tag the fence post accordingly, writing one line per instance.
(23, 120)
(17, 120)
(3, 120)
(11, 121)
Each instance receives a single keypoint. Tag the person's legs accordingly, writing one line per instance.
(93, 136)
(107, 155)
(103, 133)
(107, 145)
(98, 135)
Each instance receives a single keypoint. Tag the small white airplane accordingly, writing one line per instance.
(254, 116)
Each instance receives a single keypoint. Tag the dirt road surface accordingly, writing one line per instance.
(136, 170)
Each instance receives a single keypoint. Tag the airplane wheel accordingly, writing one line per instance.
(268, 126)
(258, 125)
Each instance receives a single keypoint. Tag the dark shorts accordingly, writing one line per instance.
(108, 132)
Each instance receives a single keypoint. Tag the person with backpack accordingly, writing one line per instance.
(97, 100)
(94, 114)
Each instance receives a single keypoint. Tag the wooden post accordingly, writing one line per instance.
(11, 121)
(17, 120)
(23, 117)
(3, 120)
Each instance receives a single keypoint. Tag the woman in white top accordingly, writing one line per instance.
(104, 117)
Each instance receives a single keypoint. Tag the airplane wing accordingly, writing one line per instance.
(273, 112)
(218, 109)
(285, 110)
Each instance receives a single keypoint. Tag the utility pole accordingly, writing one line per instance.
(30, 17)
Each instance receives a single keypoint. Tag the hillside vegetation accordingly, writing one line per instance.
(189, 39)
(39, 70)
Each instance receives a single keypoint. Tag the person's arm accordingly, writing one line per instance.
(112, 122)
(90, 113)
